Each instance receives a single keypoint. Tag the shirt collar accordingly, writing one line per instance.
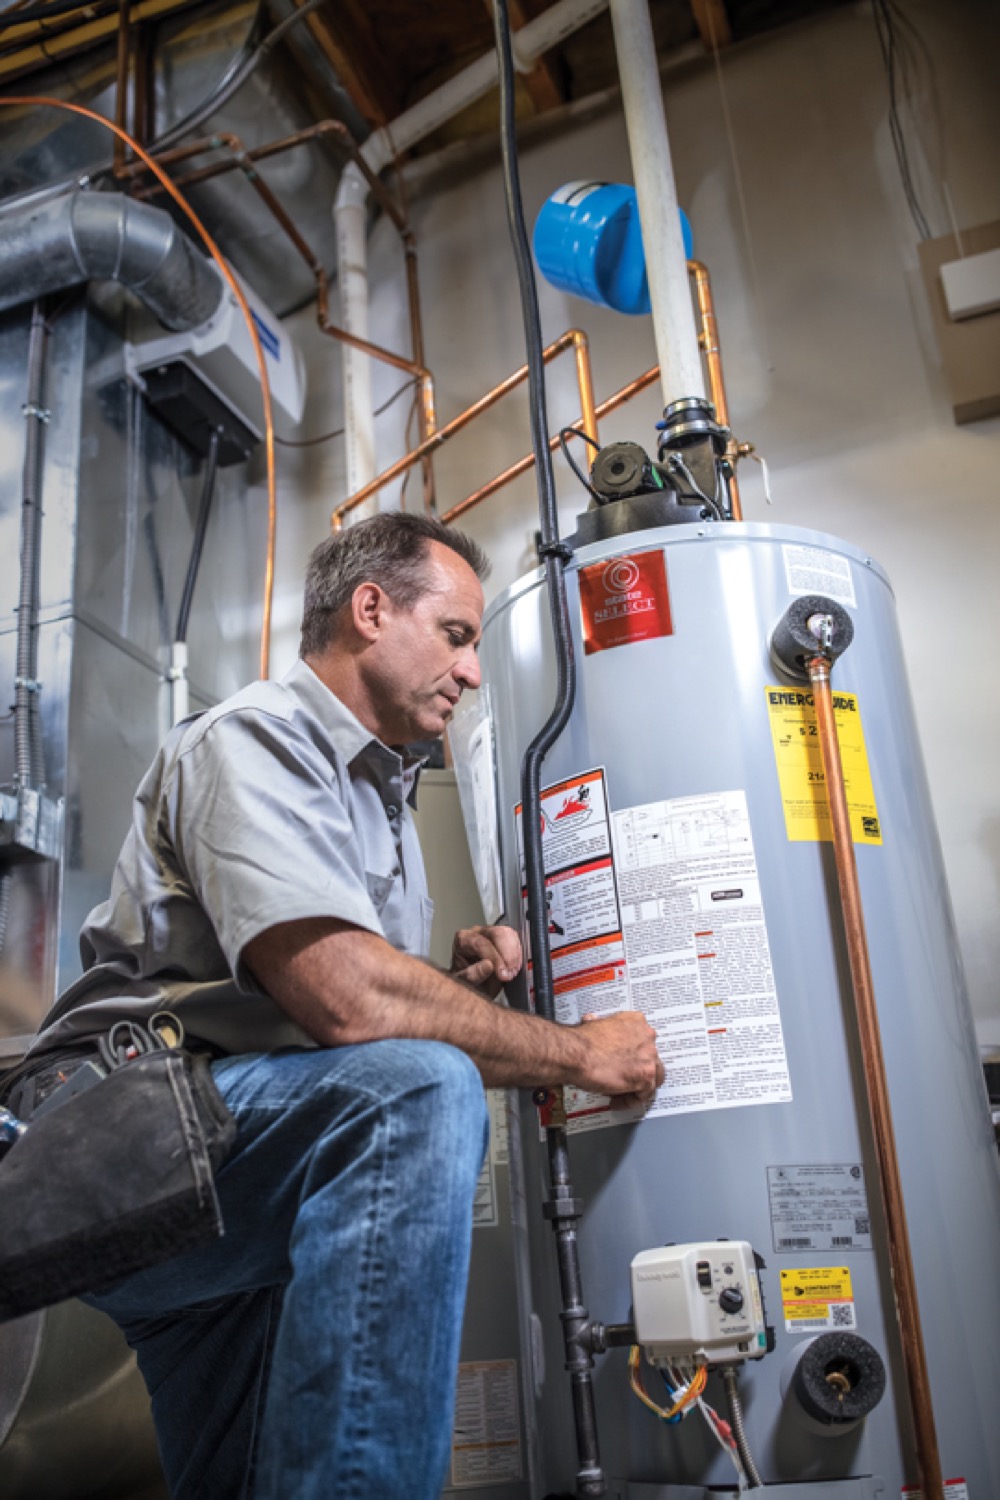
(349, 735)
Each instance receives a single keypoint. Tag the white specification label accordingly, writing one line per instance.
(954, 1489)
(821, 1206)
(813, 570)
(486, 1443)
(699, 966)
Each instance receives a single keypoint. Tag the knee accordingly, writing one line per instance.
(448, 1098)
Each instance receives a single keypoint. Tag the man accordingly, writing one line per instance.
(270, 896)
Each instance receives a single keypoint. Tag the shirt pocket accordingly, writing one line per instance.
(379, 887)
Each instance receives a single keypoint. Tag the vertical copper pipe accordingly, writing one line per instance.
(877, 1088)
(585, 383)
(428, 416)
(566, 340)
(708, 339)
(524, 464)
(121, 87)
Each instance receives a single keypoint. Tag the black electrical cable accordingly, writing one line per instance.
(235, 77)
(573, 463)
(326, 437)
(885, 29)
(551, 550)
(562, 1208)
(198, 544)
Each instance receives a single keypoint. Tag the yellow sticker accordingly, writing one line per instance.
(800, 766)
(817, 1297)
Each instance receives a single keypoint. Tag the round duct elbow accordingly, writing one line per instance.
(87, 236)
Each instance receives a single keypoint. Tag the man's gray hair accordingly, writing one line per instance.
(389, 549)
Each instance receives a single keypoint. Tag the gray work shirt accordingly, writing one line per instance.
(274, 806)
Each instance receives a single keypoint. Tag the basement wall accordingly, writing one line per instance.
(829, 356)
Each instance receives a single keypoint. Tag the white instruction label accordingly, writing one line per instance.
(814, 570)
(699, 964)
(954, 1489)
(819, 1207)
(657, 908)
(498, 1104)
(486, 1442)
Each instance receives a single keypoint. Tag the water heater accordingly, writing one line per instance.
(689, 875)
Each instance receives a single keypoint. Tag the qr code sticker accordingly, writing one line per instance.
(842, 1315)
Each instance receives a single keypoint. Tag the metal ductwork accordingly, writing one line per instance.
(87, 236)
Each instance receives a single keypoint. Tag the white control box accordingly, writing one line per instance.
(699, 1303)
(221, 353)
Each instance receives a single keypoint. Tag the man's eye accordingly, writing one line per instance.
(456, 638)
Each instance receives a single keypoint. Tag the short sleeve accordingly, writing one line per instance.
(259, 819)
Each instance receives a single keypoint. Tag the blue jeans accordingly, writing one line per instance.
(310, 1354)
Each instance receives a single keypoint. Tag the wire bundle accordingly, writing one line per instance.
(685, 1387)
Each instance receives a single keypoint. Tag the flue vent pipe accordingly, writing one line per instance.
(674, 330)
(413, 125)
(89, 236)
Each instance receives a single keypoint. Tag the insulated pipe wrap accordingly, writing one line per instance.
(88, 236)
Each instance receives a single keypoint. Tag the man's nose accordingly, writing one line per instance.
(468, 672)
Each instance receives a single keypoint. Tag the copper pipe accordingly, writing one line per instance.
(121, 88)
(708, 340)
(524, 464)
(428, 415)
(877, 1088)
(275, 148)
(585, 385)
(572, 338)
(244, 159)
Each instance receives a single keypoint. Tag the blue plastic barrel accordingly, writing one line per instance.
(588, 241)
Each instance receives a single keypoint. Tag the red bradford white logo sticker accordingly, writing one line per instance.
(624, 600)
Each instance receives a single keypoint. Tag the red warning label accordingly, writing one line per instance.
(624, 599)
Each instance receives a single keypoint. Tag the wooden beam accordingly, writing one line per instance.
(713, 23)
(347, 42)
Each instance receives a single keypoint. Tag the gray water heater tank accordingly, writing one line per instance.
(690, 874)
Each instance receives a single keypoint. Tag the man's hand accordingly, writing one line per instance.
(621, 1060)
(486, 957)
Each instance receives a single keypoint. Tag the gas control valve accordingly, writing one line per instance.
(700, 1303)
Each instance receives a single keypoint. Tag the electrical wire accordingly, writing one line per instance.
(685, 1391)
(232, 80)
(31, 100)
(587, 484)
(326, 437)
(722, 1433)
(676, 464)
(198, 543)
(885, 15)
(551, 549)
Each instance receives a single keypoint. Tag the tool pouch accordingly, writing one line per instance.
(114, 1180)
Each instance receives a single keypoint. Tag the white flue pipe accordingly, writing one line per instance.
(674, 329)
(528, 44)
(350, 216)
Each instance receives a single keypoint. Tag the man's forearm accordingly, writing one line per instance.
(343, 985)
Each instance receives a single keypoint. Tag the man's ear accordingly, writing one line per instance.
(367, 610)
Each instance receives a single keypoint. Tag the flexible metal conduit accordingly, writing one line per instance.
(563, 1208)
(27, 755)
(87, 236)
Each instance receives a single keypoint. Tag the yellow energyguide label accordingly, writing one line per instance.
(817, 1296)
(800, 766)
